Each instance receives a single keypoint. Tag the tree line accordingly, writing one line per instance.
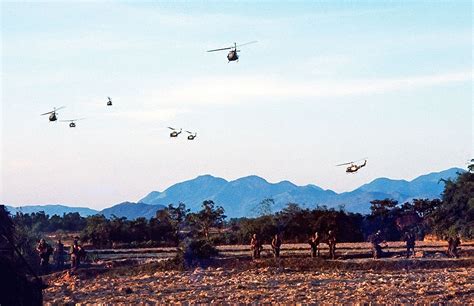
(451, 215)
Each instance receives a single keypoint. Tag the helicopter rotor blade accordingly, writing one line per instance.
(54, 110)
(172, 128)
(248, 43)
(354, 161)
(189, 132)
(221, 49)
(344, 164)
(72, 120)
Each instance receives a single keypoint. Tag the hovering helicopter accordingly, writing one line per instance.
(191, 136)
(53, 113)
(232, 55)
(353, 166)
(109, 103)
(72, 122)
(174, 133)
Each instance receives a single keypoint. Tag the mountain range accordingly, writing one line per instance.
(240, 197)
(52, 209)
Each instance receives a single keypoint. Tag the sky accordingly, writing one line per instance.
(328, 82)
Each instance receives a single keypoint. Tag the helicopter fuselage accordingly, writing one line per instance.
(53, 117)
(354, 168)
(232, 56)
(72, 124)
(174, 134)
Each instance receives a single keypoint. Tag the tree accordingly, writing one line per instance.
(209, 216)
(471, 166)
(455, 215)
(425, 207)
(383, 217)
(265, 207)
(97, 230)
(382, 207)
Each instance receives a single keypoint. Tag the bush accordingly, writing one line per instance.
(196, 252)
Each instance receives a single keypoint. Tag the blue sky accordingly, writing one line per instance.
(328, 82)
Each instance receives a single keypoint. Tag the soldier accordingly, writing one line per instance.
(255, 246)
(314, 243)
(59, 255)
(76, 252)
(453, 245)
(332, 244)
(276, 245)
(44, 251)
(410, 240)
(376, 240)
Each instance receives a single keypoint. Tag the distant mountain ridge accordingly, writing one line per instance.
(126, 209)
(52, 209)
(240, 197)
(132, 210)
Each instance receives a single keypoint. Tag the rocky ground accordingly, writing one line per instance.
(288, 280)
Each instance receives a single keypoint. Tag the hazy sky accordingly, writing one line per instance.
(326, 83)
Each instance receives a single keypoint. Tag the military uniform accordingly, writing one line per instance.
(255, 246)
(332, 244)
(276, 245)
(76, 252)
(410, 240)
(314, 243)
(376, 240)
(59, 255)
(44, 251)
(453, 245)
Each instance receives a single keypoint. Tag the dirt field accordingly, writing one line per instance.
(233, 277)
(344, 250)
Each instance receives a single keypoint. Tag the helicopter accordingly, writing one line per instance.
(53, 114)
(232, 55)
(191, 136)
(72, 122)
(109, 103)
(174, 133)
(353, 168)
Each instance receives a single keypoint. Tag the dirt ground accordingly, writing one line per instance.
(428, 279)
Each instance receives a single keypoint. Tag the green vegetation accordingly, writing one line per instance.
(456, 213)
(451, 215)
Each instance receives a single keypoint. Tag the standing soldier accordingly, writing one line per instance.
(75, 253)
(410, 240)
(255, 246)
(332, 244)
(276, 245)
(376, 240)
(314, 243)
(453, 244)
(44, 251)
(59, 255)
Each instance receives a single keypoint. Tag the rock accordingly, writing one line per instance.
(126, 290)
(419, 254)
